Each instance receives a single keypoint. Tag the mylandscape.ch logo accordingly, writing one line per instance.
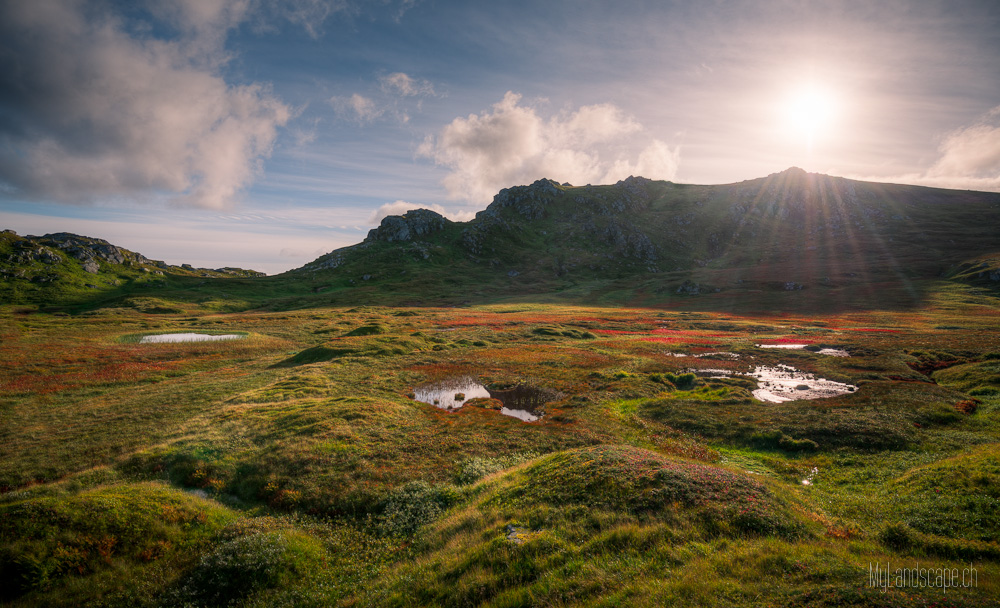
(919, 577)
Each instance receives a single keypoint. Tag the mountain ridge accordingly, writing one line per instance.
(831, 240)
(791, 230)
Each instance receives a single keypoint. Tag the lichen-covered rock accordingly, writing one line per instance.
(528, 201)
(407, 227)
(630, 241)
(85, 248)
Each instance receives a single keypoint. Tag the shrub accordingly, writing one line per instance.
(797, 445)
(682, 381)
(777, 440)
(576, 334)
(415, 504)
(474, 469)
(897, 536)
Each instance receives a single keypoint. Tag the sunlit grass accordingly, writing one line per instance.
(141, 473)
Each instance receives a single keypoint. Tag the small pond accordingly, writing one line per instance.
(188, 337)
(450, 394)
(521, 401)
(785, 383)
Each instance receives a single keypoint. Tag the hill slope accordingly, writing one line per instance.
(789, 241)
(63, 268)
(835, 240)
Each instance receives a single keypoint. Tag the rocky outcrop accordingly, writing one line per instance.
(407, 227)
(529, 201)
(89, 251)
(630, 242)
(92, 254)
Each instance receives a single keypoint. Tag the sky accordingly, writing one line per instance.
(264, 133)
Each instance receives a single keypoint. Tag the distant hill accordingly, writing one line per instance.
(61, 267)
(831, 240)
(789, 241)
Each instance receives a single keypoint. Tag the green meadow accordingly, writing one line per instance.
(294, 467)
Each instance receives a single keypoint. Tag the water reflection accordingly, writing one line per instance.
(521, 401)
(187, 337)
(451, 393)
(785, 383)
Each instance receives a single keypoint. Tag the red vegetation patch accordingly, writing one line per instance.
(689, 332)
(929, 367)
(968, 406)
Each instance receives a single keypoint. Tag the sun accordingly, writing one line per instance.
(808, 113)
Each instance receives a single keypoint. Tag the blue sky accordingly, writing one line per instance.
(264, 133)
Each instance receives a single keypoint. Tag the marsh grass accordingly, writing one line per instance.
(292, 468)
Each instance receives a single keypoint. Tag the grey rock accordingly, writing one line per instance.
(91, 266)
(406, 227)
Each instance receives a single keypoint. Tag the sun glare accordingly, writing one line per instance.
(808, 113)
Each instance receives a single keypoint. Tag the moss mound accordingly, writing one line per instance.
(957, 497)
(47, 539)
(638, 481)
(372, 329)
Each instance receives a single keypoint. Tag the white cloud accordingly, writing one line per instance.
(310, 14)
(94, 113)
(973, 151)
(391, 100)
(969, 159)
(512, 144)
(401, 207)
(357, 108)
(406, 86)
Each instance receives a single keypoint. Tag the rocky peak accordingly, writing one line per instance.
(529, 201)
(406, 227)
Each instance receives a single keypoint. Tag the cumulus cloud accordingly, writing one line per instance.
(512, 144)
(969, 159)
(91, 111)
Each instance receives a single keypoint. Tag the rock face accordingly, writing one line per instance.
(407, 227)
(89, 250)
